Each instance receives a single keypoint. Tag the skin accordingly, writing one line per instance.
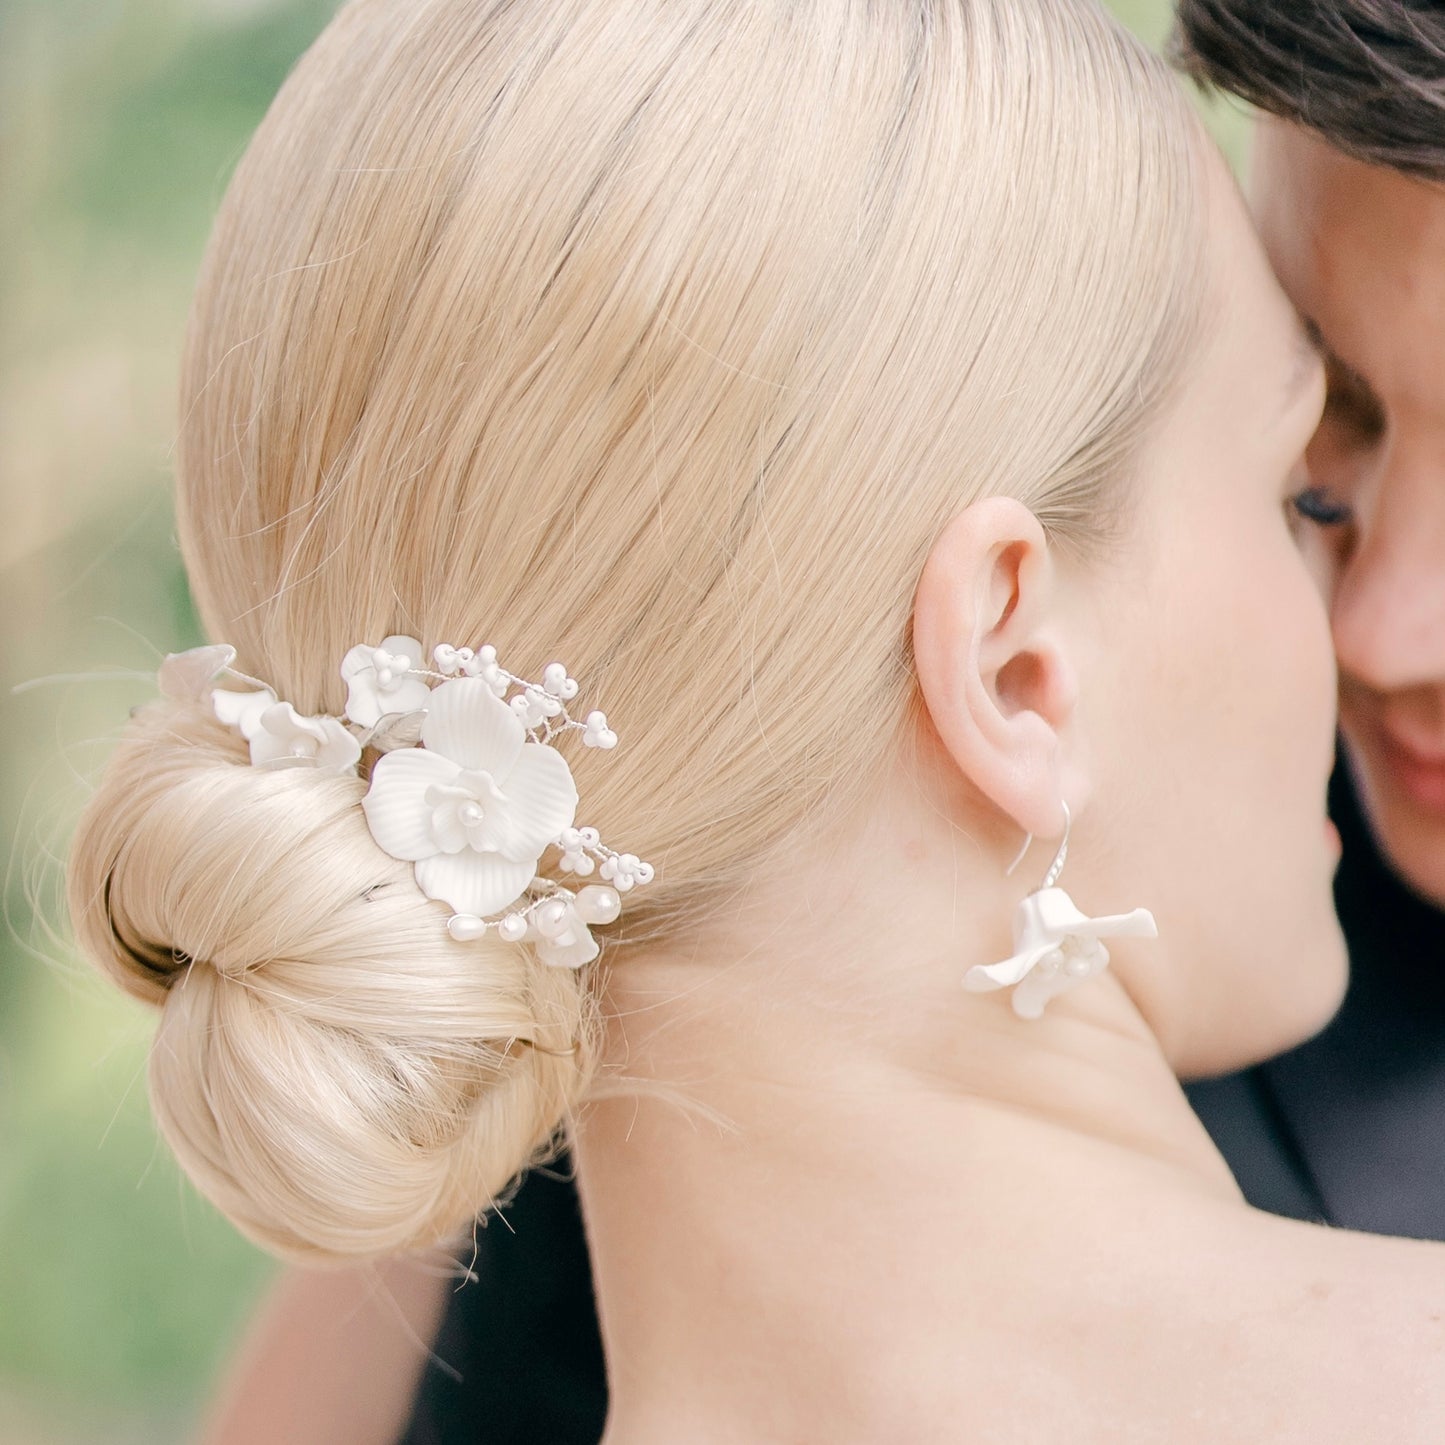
(1361, 250)
(332, 1357)
(894, 1211)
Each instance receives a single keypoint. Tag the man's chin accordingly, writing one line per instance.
(1406, 815)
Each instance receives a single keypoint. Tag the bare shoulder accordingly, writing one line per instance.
(1209, 1323)
(332, 1357)
(1320, 1334)
(1398, 1284)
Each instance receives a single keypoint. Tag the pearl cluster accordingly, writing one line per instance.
(549, 918)
(1075, 957)
(537, 703)
(558, 922)
(624, 870)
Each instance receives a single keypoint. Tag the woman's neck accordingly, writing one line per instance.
(838, 1197)
(857, 1232)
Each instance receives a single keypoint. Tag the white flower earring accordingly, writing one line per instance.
(1056, 947)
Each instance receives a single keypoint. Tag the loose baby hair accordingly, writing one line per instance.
(662, 335)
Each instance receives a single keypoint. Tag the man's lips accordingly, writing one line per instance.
(1416, 765)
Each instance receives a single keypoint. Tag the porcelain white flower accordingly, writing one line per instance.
(280, 737)
(1056, 948)
(562, 937)
(379, 680)
(558, 925)
(285, 739)
(242, 710)
(475, 805)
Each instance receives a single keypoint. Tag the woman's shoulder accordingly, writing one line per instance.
(1306, 1332)
(1216, 1324)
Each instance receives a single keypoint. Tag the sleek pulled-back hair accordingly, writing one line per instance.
(661, 336)
(1368, 75)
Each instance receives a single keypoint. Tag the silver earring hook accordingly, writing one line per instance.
(1057, 866)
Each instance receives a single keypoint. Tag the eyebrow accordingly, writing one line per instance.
(1310, 353)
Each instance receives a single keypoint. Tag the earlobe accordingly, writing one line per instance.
(991, 664)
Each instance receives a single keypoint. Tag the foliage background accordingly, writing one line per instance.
(120, 120)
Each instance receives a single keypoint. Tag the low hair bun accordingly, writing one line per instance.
(333, 1071)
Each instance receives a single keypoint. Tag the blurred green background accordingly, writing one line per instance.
(120, 120)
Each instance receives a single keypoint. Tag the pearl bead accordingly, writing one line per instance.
(1077, 967)
(513, 928)
(465, 927)
(596, 904)
(551, 917)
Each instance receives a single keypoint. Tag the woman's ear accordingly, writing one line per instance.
(991, 663)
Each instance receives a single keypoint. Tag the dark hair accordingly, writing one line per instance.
(1368, 75)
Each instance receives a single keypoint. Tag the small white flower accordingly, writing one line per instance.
(242, 710)
(475, 805)
(281, 738)
(559, 925)
(285, 739)
(562, 938)
(1056, 948)
(379, 680)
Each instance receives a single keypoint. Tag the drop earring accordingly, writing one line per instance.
(1056, 947)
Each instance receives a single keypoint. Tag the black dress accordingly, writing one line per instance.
(1348, 1129)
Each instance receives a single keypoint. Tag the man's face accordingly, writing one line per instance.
(1361, 251)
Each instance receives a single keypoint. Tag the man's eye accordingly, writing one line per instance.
(1351, 406)
(1315, 505)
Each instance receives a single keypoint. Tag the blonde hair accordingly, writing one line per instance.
(663, 336)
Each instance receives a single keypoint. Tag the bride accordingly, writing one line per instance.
(886, 412)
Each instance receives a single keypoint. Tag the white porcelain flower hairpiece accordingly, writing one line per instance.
(467, 788)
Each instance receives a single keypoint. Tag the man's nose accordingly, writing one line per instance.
(1389, 604)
